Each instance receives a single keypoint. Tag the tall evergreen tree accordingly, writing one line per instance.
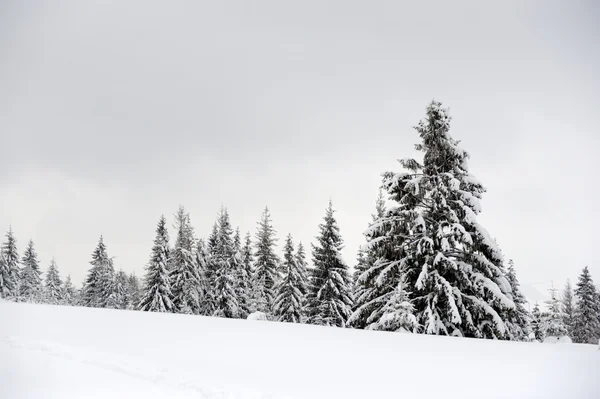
(185, 276)
(329, 299)
(377, 277)
(244, 275)
(9, 267)
(157, 295)
(31, 281)
(586, 329)
(134, 291)
(98, 284)
(553, 325)
(266, 264)
(288, 305)
(452, 266)
(536, 323)
(69, 293)
(568, 308)
(53, 285)
(227, 263)
(518, 319)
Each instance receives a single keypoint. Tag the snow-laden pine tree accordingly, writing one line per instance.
(9, 267)
(518, 319)
(244, 275)
(397, 314)
(30, 289)
(552, 323)
(452, 266)
(134, 291)
(206, 272)
(98, 284)
(265, 264)
(329, 298)
(376, 276)
(185, 277)
(586, 329)
(537, 324)
(53, 290)
(118, 297)
(69, 293)
(157, 295)
(290, 291)
(227, 262)
(568, 308)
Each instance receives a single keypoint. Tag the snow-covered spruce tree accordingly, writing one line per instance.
(134, 291)
(568, 308)
(518, 319)
(453, 267)
(206, 273)
(98, 284)
(265, 265)
(290, 291)
(536, 323)
(69, 293)
(552, 323)
(243, 286)
(378, 274)
(185, 277)
(30, 289)
(9, 267)
(118, 297)
(53, 290)
(227, 263)
(397, 314)
(586, 329)
(329, 298)
(156, 296)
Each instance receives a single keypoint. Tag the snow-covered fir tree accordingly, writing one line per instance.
(377, 275)
(185, 276)
(53, 290)
(397, 314)
(552, 323)
(134, 291)
(290, 291)
(329, 298)
(452, 266)
(30, 288)
(265, 265)
(244, 275)
(157, 295)
(98, 284)
(518, 319)
(536, 323)
(227, 262)
(586, 326)
(568, 308)
(69, 293)
(118, 297)
(9, 267)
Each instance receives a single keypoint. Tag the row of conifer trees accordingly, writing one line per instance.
(427, 265)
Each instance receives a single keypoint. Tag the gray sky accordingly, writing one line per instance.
(113, 112)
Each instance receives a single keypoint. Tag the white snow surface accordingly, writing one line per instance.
(71, 352)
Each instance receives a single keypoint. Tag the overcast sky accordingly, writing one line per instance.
(112, 113)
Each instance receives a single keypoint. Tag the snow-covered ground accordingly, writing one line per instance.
(70, 352)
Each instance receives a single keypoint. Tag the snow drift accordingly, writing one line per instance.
(70, 352)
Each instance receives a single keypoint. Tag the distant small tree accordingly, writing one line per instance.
(568, 308)
(290, 291)
(537, 324)
(31, 281)
(553, 324)
(53, 285)
(398, 313)
(69, 293)
(9, 267)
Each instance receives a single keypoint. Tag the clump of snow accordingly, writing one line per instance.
(557, 340)
(258, 316)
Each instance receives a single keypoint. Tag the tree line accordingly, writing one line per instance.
(427, 265)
